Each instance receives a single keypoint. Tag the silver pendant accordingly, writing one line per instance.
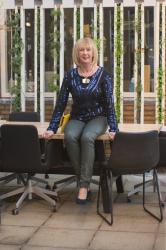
(85, 80)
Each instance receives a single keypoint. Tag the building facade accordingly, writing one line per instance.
(36, 40)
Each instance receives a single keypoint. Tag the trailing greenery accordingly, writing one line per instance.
(54, 43)
(160, 76)
(118, 55)
(78, 23)
(138, 63)
(16, 60)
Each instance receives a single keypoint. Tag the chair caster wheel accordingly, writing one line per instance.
(128, 200)
(15, 211)
(54, 187)
(54, 209)
(162, 204)
(48, 187)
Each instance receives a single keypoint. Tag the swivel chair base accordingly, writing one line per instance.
(27, 191)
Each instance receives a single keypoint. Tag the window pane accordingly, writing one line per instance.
(29, 49)
(89, 22)
(129, 41)
(109, 39)
(149, 50)
(68, 21)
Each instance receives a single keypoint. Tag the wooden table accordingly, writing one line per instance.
(122, 127)
(126, 127)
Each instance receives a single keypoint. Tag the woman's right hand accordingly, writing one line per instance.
(47, 134)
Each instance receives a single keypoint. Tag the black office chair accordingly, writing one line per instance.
(132, 153)
(25, 117)
(21, 154)
(161, 167)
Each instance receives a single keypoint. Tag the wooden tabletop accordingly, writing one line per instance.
(125, 127)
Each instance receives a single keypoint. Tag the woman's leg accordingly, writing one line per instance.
(72, 134)
(91, 131)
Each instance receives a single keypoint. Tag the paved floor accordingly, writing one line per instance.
(75, 227)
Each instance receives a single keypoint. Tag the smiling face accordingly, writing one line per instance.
(85, 52)
(85, 55)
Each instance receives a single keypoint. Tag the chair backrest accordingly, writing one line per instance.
(162, 146)
(134, 153)
(20, 149)
(24, 116)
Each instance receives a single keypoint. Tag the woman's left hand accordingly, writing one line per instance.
(111, 135)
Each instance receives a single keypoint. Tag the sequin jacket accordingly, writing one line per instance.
(89, 100)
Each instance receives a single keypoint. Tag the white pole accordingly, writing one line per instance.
(75, 24)
(81, 21)
(95, 22)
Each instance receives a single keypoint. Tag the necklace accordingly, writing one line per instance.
(86, 75)
(85, 80)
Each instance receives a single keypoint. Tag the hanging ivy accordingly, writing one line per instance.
(118, 56)
(138, 64)
(78, 22)
(160, 75)
(16, 60)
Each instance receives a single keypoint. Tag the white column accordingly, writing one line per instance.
(81, 21)
(95, 22)
(142, 62)
(3, 53)
(75, 24)
(61, 70)
(42, 63)
(23, 80)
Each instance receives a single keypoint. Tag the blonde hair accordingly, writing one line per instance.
(85, 42)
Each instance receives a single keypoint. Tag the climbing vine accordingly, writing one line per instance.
(118, 56)
(78, 22)
(160, 75)
(16, 60)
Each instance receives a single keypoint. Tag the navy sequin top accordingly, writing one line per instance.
(89, 100)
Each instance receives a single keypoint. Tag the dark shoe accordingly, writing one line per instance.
(89, 196)
(81, 201)
(84, 201)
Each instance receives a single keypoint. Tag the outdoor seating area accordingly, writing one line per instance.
(79, 227)
(34, 224)
(82, 125)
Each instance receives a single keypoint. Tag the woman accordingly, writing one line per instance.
(92, 111)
